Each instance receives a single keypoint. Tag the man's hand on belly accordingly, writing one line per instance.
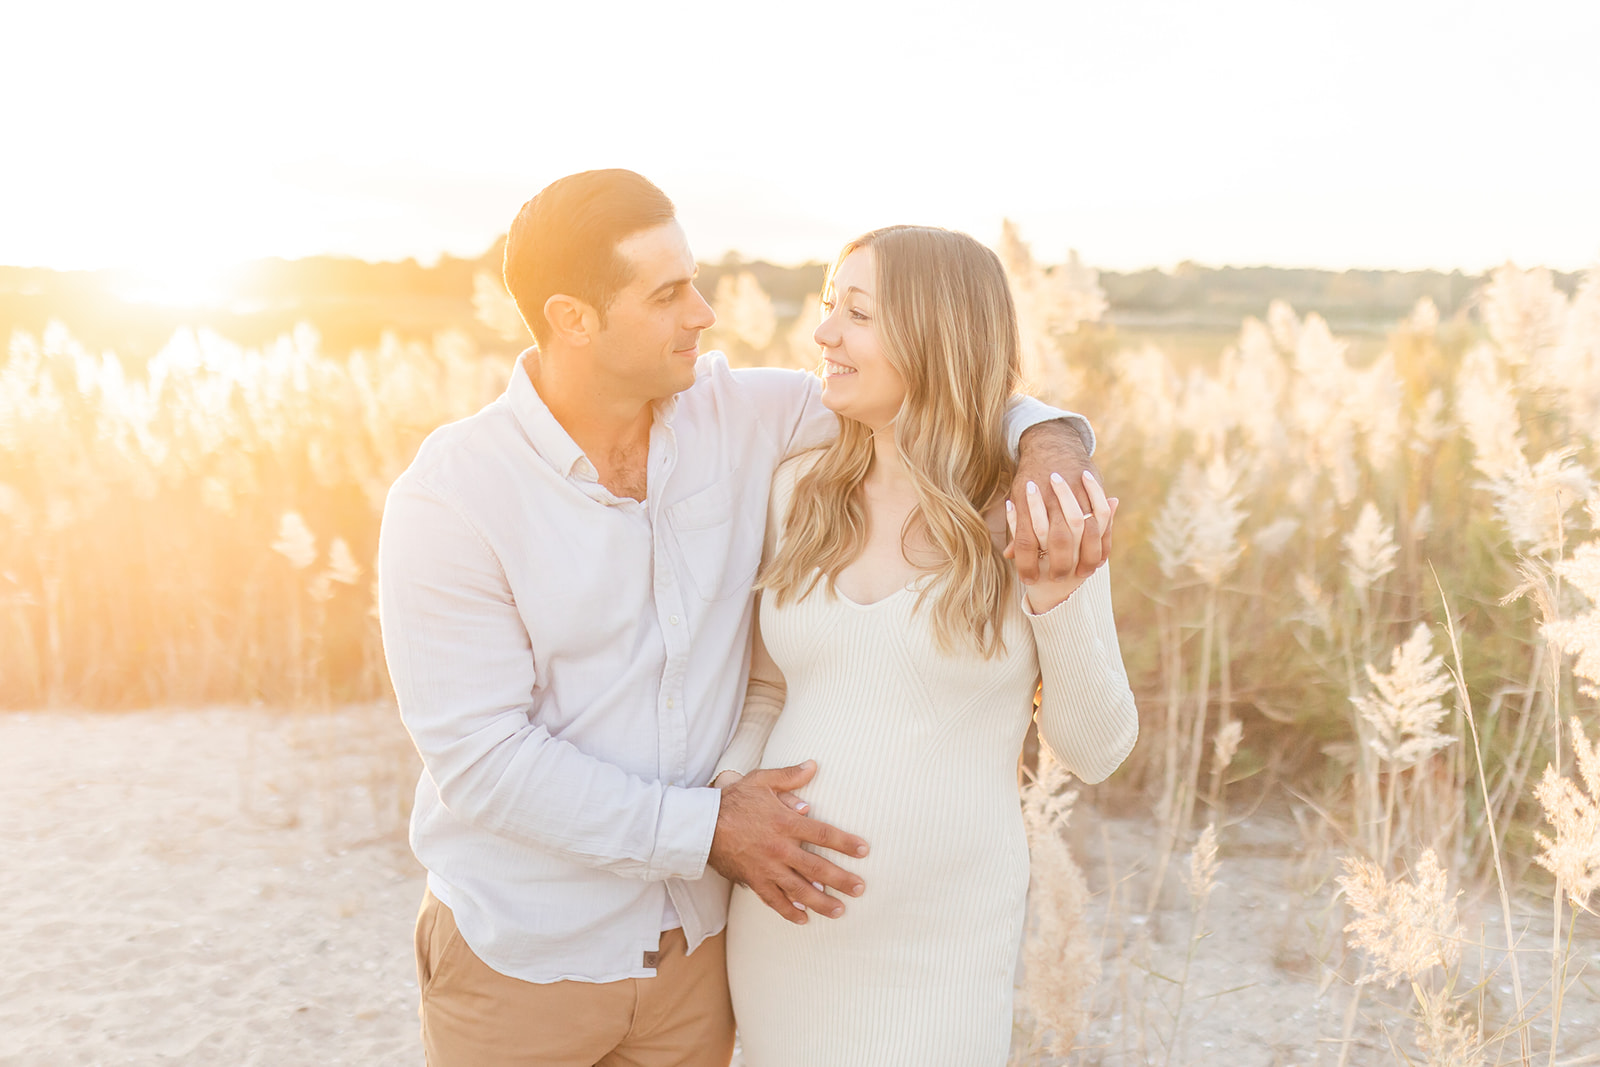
(758, 841)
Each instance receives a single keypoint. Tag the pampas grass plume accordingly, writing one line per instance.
(296, 543)
(1370, 549)
(1580, 634)
(1404, 927)
(1225, 745)
(1405, 709)
(1059, 963)
(1573, 855)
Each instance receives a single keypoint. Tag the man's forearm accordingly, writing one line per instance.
(1026, 413)
(539, 790)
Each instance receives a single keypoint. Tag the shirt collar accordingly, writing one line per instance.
(549, 438)
(554, 445)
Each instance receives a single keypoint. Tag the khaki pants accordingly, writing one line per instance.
(474, 1016)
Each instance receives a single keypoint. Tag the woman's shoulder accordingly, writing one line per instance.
(789, 473)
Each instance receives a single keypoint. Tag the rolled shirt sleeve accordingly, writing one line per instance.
(1026, 412)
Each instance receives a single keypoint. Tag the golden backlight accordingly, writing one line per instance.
(177, 284)
(249, 262)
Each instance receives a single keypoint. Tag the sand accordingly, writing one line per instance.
(215, 887)
(232, 886)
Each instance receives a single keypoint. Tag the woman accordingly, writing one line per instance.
(902, 659)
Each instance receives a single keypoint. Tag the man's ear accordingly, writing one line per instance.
(572, 320)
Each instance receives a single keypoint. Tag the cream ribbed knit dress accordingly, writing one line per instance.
(917, 752)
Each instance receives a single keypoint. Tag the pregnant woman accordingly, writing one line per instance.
(897, 647)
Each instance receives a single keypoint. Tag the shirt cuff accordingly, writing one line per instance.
(683, 842)
(1025, 412)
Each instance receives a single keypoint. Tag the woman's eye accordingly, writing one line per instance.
(858, 314)
(827, 307)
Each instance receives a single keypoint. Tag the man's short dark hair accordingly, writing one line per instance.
(565, 240)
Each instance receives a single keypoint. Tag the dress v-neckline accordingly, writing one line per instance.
(871, 603)
(909, 587)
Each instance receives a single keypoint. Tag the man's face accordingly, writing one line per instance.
(652, 333)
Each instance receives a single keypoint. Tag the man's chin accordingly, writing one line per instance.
(680, 377)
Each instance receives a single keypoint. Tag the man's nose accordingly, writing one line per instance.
(702, 317)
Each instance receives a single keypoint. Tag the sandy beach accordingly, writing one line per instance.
(233, 886)
(210, 887)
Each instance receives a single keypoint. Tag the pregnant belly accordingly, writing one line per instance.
(938, 818)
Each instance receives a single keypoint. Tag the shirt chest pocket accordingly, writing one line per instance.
(719, 539)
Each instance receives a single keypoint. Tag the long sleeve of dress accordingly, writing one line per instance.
(1086, 714)
(765, 694)
(763, 702)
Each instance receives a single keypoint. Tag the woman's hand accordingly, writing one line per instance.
(1045, 593)
(1046, 449)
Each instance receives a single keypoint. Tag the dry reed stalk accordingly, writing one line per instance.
(1574, 815)
(1573, 855)
(1196, 533)
(1190, 785)
(1114, 928)
(1200, 881)
(1224, 745)
(1059, 965)
(1457, 672)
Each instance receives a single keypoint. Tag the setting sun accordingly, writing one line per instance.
(177, 284)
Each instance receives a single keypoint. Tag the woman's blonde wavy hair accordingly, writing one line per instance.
(947, 323)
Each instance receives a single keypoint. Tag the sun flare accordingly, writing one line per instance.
(177, 285)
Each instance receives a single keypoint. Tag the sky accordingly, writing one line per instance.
(1403, 134)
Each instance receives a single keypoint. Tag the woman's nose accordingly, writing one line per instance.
(825, 334)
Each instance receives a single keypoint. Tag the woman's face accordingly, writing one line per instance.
(858, 380)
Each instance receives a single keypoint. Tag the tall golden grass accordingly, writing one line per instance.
(1373, 586)
(204, 530)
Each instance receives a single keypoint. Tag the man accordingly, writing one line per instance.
(566, 602)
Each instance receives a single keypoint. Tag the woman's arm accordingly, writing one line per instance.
(1087, 714)
(766, 691)
(763, 702)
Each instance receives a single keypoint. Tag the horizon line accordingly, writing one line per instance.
(739, 258)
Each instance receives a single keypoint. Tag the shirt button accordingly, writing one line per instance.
(673, 620)
(669, 702)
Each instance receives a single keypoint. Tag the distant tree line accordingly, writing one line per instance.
(353, 303)
(1353, 300)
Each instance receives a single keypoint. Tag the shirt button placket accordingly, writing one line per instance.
(669, 593)
(674, 723)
